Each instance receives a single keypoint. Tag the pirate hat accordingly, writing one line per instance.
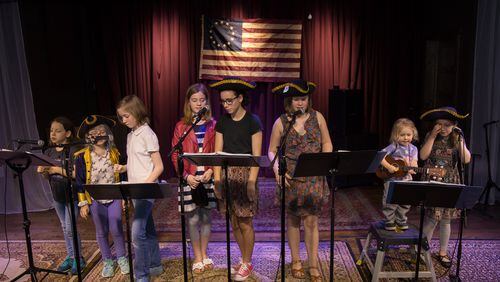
(233, 83)
(448, 113)
(92, 121)
(295, 88)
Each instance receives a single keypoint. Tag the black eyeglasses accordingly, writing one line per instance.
(229, 101)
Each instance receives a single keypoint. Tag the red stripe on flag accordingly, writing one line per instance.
(272, 40)
(276, 31)
(271, 50)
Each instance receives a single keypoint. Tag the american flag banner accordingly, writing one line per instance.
(253, 49)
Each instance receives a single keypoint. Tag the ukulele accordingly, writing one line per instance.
(382, 172)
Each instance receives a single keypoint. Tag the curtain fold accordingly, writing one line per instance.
(17, 115)
(486, 94)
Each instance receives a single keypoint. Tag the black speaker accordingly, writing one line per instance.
(345, 116)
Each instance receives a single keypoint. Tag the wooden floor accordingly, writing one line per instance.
(45, 226)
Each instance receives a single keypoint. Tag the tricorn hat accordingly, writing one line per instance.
(92, 121)
(295, 88)
(448, 113)
(233, 83)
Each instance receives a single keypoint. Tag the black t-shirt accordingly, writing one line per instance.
(58, 183)
(237, 135)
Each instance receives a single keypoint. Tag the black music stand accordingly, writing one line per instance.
(431, 194)
(128, 191)
(336, 164)
(19, 162)
(225, 160)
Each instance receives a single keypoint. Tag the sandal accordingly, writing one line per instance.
(198, 267)
(208, 264)
(315, 278)
(297, 273)
(445, 260)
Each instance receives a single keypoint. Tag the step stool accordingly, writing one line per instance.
(385, 239)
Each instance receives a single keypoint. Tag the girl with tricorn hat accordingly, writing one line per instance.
(239, 131)
(443, 147)
(95, 165)
(304, 196)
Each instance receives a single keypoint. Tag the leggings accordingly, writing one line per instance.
(444, 231)
(199, 217)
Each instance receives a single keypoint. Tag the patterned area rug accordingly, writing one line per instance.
(479, 261)
(46, 254)
(353, 210)
(266, 263)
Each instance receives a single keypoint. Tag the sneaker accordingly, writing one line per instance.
(108, 269)
(390, 226)
(73, 267)
(123, 264)
(65, 265)
(445, 260)
(402, 226)
(156, 271)
(235, 268)
(244, 272)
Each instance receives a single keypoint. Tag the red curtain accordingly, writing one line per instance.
(152, 50)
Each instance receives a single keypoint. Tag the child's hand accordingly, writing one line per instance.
(119, 168)
(411, 171)
(435, 130)
(251, 193)
(192, 181)
(84, 211)
(207, 175)
(392, 169)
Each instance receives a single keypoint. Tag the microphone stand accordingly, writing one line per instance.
(282, 172)
(182, 182)
(456, 277)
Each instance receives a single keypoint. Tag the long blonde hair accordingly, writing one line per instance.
(399, 125)
(188, 113)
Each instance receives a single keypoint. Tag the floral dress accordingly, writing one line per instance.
(444, 155)
(306, 195)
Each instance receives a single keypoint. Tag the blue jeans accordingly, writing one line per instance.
(144, 239)
(62, 210)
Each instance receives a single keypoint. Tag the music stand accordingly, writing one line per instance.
(337, 164)
(19, 162)
(128, 191)
(225, 160)
(430, 194)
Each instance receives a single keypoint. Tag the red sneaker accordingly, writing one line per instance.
(244, 272)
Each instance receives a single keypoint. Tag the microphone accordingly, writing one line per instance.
(298, 112)
(201, 112)
(39, 143)
(458, 130)
(99, 138)
(491, 122)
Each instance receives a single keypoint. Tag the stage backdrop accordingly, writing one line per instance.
(100, 53)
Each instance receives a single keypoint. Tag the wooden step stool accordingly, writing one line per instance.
(385, 239)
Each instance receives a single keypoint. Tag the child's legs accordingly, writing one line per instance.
(116, 227)
(99, 214)
(68, 229)
(293, 231)
(401, 212)
(248, 237)
(444, 235)
(152, 238)
(430, 224)
(193, 219)
(142, 261)
(61, 214)
(388, 210)
(205, 230)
